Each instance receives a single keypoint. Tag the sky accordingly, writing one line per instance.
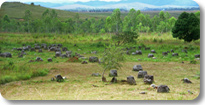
(57, 1)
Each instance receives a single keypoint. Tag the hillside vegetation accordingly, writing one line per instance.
(16, 10)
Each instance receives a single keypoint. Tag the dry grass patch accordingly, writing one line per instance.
(79, 83)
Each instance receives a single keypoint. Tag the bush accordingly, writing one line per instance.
(126, 37)
(154, 40)
(6, 79)
(40, 73)
(24, 77)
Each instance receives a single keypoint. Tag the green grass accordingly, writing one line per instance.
(32, 80)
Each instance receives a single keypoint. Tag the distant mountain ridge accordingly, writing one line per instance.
(128, 4)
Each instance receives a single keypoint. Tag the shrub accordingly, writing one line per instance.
(126, 37)
(40, 73)
(24, 77)
(6, 79)
(154, 40)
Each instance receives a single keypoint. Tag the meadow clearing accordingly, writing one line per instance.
(24, 80)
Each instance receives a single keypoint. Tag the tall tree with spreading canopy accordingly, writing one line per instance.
(109, 24)
(162, 16)
(187, 27)
(116, 19)
(132, 17)
(27, 17)
(77, 18)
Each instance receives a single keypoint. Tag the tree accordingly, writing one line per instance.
(46, 20)
(162, 16)
(116, 19)
(197, 14)
(132, 17)
(6, 18)
(53, 14)
(27, 17)
(111, 59)
(154, 22)
(109, 24)
(167, 16)
(172, 21)
(126, 24)
(76, 17)
(6, 23)
(187, 27)
(162, 27)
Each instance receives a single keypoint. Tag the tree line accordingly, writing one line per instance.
(49, 22)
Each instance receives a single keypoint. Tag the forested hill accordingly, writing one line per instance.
(16, 10)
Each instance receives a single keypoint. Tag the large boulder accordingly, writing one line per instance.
(57, 49)
(93, 59)
(68, 52)
(197, 56)
(64, 55)
(139, 52)
(25, 48)
(84, 62)
(148, 79)
(43, 45)
(147, 48)
(172, 50)
(141, 74)
(58, 54)
(52, 48)
(164, 53)
(64, 49)
(131, 80)
(40, 50)
(96, 74)
(163, 89)
(6, 54)
(39, 59)
(59, 78)
(137, 68)
(37, 47)
(153, 51)
(59, 45)
(29, 47)
(186, 80)
(32, 49)
(113, 73)
(134, 53)
(150, 55)
(49, 59)
(22, 52)
(175, 54)
(19, 49)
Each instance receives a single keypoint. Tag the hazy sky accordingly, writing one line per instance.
(57, 1)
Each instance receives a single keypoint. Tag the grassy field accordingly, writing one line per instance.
(16, 10)
(21, 80)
